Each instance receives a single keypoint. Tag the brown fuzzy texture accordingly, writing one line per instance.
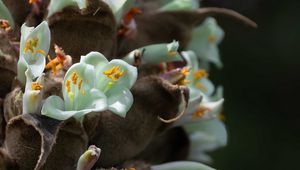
(120, 138)
(13, 104)
(70, 144)
(29, 139)
(79, 32)
(6, 162)
(172, 145)
(8, 64)
(174, 25)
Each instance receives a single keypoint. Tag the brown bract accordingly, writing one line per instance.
(121, 139)
(80, 31)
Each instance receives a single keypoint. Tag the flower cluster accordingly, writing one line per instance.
(170, 69)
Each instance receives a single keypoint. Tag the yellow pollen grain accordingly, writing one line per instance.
(183, 82)
(185, 71)
(119, 74)
(68, 86)
(41, 52)
(114, 73)
(199, 113)
(200, 74)
(31, 45)
(212, 38)
(172, 53)
(111, 71)
(36, 86)
(79, 84)
(74, 77)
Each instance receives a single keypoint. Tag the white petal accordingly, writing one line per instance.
(181, 165)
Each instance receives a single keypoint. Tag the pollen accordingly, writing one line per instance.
(199, 113)
(58, 62)
(212, 38)
(36, 86)
(68, 86)
(183, 82)
(114, 73)
(172, 53)
(200, 74)
(74, 77)
(185, 71)
(82, 92)
(31, 44)
(79, 84)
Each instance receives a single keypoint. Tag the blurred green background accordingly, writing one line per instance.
(261, 76)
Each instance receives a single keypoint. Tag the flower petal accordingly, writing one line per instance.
(120, 100)
(5, 14)
(127, 79)
(74, 93)
(115, 5)
(156, 53)
(205, 40)
(180, 165)
(36, 60)
(176, 5)
(59, 5)
(206, 136)
(96, 59)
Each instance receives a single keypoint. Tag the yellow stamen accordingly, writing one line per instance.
(201, 87)
(119, 74)
(68, 86)
(31, 44)
(58, 62)
(185, 71)
(199, 113)
(114, 73)
(82, 92)
(79, 84)
(36, 86)
(74, 77)
(212, 38)
(183, 82)
(41, 52)
(200, 74)
(172, 53)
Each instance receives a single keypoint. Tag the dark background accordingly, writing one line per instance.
(261, 78)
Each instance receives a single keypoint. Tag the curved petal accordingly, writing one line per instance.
(119, 101)
(59, 5)
(36, 60)
(79, 79)
(156, 53)
(54, 108)
(127, 79)
(205, 40)
(177, 5)
(5, 14)
(96, 59)
(115, 5)
(22, 67)
(209, 87)
(180, 165)
(206, 136)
